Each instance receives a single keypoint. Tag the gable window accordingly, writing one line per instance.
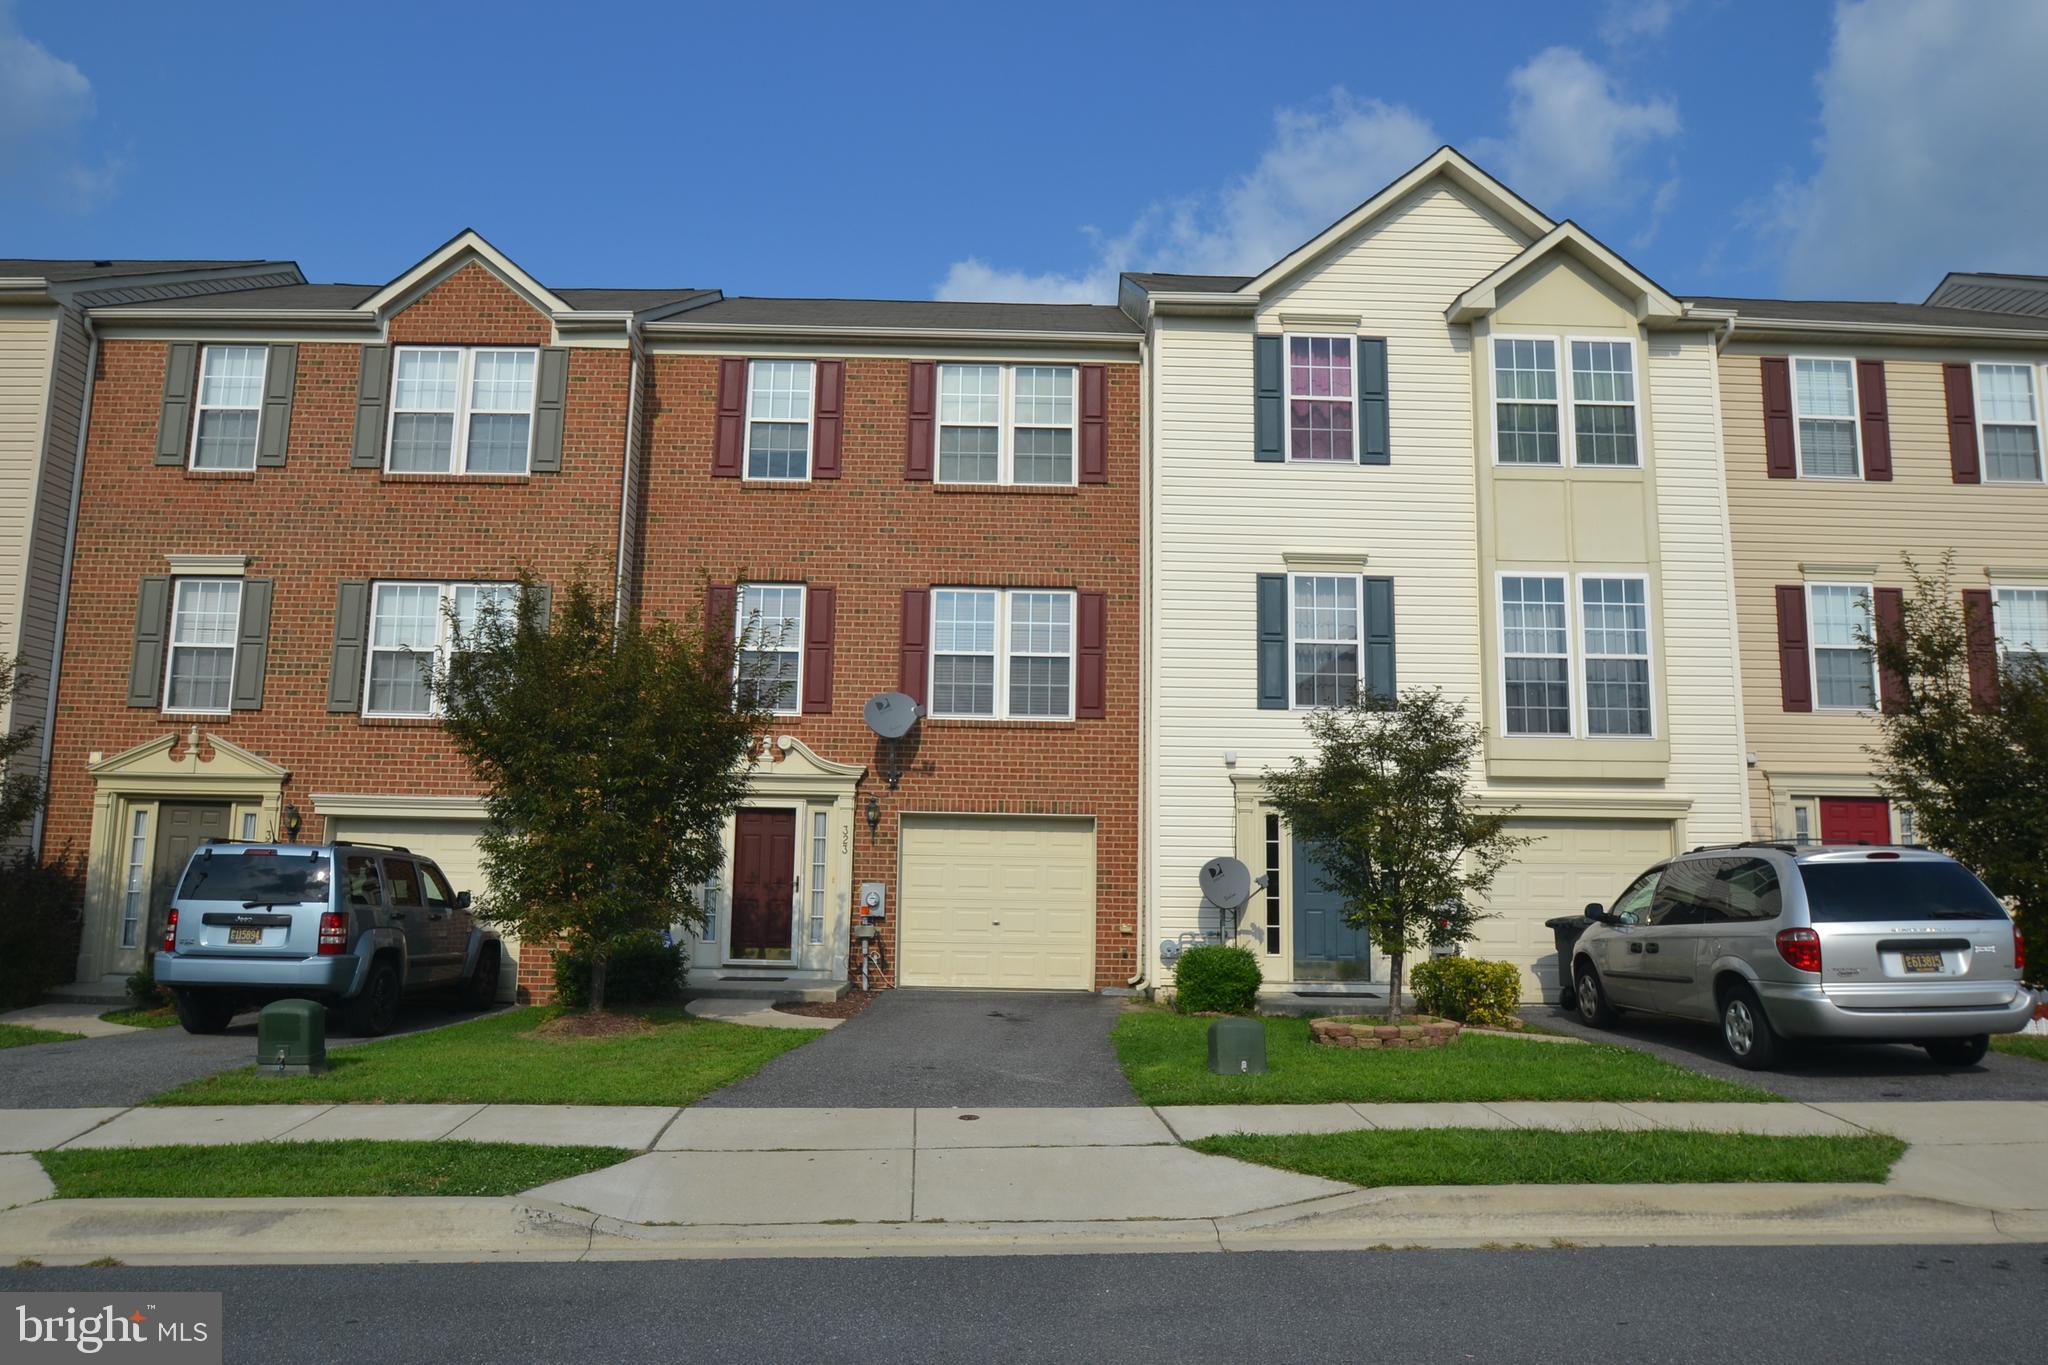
(1535, 655)
(1324, 638)
(461, 410)
(1002, 654)
(413, 629)
(1604, 403)
(1321, 402)
(1614, 616)
(230, 407)
(1525, 400)
(1824, 418)
(1839, 626)
(769, 623)
(1006, 424)
(2021, 619)
(779, 419)
(2009, 423)
(205, 623)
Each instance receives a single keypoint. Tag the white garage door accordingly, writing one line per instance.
(451, 844)
(997, 901)
(1570, 863)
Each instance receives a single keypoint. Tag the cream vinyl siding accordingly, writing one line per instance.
(27, 352)
(997, 901)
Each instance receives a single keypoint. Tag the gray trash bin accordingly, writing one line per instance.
(1565, 931)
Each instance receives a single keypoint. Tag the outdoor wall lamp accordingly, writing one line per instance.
(874, 814)
(292, 824)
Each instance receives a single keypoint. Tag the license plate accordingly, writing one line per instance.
(1920, 962)
(250, 934)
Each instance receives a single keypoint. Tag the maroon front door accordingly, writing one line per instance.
(1855, 820)
(763, 862)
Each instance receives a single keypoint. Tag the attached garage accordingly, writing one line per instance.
(997, 901)
(449, 840)
(1570, 863)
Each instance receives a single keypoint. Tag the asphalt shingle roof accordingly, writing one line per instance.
(1874, 314)
(1192, 284)
(67, 271)
(912, 314)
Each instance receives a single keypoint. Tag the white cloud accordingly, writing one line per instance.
(1631, 23)
(1572, 133)
(1930, 151)
(45, 104)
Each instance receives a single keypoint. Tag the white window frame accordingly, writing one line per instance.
(200, 407)
(803, 614)
(1569, 426)
(1003, 651)
(820, 855)
(1559, 365)
(1855, 417)
(443, 638)
(2040, 429)
(1998, 632)
(1573, 702)
(1292, 641)
(171, 647)
(1006, 423)
(810, 425)
(1813, 646)
(135, 876)
(1576, 608)
(465, 376)
(1287, 395)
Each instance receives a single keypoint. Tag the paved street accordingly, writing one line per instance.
(1631, 1306)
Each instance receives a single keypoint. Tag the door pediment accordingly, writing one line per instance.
(165, 759)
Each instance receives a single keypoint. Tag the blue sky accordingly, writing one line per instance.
(1726, 146)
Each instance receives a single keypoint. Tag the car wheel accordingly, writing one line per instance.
(204, 1011)
(1959, 1051)
(1593, 1006)
(480, 991)
(1747, 1031)
(375, 1010)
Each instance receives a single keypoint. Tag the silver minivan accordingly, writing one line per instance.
(1775, 941)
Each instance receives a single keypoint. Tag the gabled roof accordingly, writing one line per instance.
(468, 244)
(1649, 298)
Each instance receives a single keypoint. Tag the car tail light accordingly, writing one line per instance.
(1801, 948)
(333, 932)
(170, 944)
(2019, 949)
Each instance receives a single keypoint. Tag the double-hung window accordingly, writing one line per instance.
(2009, 423)
(413, 629)
(462, 410)
(1322, 403)
(1604, 403)
(1525, 401)
(1824, 418)
(779, 419)
(206, 618)
(1535, 654)
(1326, 632)
(1614, 617)
(1839, 627)
(2021, 616)
(230, 407)
(1006, 424)
(768, 625)
(1002, 654)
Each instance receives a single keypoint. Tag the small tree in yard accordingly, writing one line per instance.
(1970, 758)
(1400, 838)
(613, 753)
(20, 792)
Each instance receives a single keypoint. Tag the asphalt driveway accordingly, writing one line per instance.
(951, 1049)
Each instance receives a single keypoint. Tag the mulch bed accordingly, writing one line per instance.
(605, 1025)
(845, 1007)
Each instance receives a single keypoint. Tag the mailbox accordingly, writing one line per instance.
(291, 1039)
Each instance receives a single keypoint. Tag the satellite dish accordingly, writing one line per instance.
(891, 714)
(1226, 882)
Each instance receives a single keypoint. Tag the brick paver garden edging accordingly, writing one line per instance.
(1368, 1031)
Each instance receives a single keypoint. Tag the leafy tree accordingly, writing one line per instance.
(1386, 803)
(612, 753)
(21, 792)
(1976, 775)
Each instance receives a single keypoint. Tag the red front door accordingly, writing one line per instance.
(763, 863)
(1855, 820)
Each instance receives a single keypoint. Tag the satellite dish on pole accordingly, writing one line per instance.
(1226, 882)
(891, 714)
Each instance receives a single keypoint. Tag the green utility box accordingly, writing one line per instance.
(1237, 1047)
(291, 1039)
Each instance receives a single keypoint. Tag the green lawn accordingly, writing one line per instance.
(1166, 1057)
(20, 1035)
(163, 1016)
(1525, 1156)
(252, 1170)
(2033, 1045)
(499, 1060)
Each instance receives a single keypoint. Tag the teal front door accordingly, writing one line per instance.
(1325, 947)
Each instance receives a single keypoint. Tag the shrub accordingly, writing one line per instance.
(1216, 977)
(143, 992)
(39, 925)
(643, 971)
(1469, 989)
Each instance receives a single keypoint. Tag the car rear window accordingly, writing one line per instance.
(1863, 892)
(269, 878)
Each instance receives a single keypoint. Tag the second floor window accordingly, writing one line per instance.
(206, 618)
(1002, 654)
(1614, 615)
(230, 407)
(1844, 667)
(779, 419)
(1006, 424)
(1525, 400)
(768, 621)
(1325, 638)
(413, 628)
(1824, 418)
(1535, 655)
(2009, 423)
(2021, 616)
(457, 410)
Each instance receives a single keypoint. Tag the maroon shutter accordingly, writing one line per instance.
(825, 429)
(1795, 674)
(1778, 449)
(917, 444)
(732, 419)
(819, 604)
(1877, 421)
(1962, 422)
(1095, 424)
(1982, 641)
(1891, 630)
(915, 631)
(721, 600)
(1090, 666)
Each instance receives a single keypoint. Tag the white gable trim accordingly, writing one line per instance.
(1650, 301)
(466, 245)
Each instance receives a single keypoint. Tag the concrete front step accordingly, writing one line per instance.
(107, 991)
(791, 990)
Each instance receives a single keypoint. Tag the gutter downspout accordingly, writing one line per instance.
(92, 362)
(1143, 957)
(626, 484)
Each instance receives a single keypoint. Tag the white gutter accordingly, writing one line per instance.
(338, 319)
(626, 483)
(92, 360)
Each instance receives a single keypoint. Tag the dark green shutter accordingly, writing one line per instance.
(146, 661)
(1272, 642)
(1372, 400)
(351, 635)
(1268, 405)
(280, 377)
(373, 384)
(1379, 638)
(549, 393)
(252, 642)
(174, 423)
(543, 603)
